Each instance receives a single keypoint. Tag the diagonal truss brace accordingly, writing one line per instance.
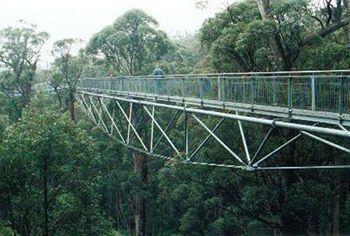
(207, 138)
(218, 140)
(112, 121)
(91, 109)
(99, 114)
(162, 131)
(243, 139)
(131, 126)
(292, 140)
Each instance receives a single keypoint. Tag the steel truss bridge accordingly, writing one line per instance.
(151, 114)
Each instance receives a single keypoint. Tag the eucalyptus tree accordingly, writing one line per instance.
(270, 35)
(131, 43)
(49, 176)
(67, 69)
(20, 49)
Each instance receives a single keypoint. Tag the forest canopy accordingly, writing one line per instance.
(60, 175)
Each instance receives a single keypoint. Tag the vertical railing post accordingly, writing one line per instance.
(156, 85)
(289, 94)
(183, 89)
(252, 91)
(219, 87)
(128, 83)
(186, 137)
(274, 103)
(313, 93)
(201, 84)
(170, 86)
(152, 131)
(341, 95)
(224, 92)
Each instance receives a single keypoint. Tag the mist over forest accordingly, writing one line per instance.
(61, 175)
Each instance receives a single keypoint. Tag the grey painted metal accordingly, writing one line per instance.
(275, 111)
(87, 108)
(243, 140)
(186, 136)
(217, 126)
(326, 141)
(152, 131)
(112, 119)
(129, 121)
(313, 93)
(167, 128)
(259, 120)
(218, 139)
(131, 126)
(100, 120)
(302, 167)
(162, 131)
(343, 128)
(294, 139)
(112, 122)
(262, 144)
(319, 96)
(251, 166)
(279, 100)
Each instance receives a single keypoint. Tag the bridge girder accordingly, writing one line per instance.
(134, 123)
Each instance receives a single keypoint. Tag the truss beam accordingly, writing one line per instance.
(101, 110)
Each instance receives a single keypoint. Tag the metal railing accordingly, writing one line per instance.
(326, 91)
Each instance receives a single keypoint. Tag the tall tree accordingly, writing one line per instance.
(67, 70)
(49, 178)
(20, 49)
(269, 35)
(130, 43)
(133, 45)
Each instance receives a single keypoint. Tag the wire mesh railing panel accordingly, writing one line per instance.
(269, 91)
(327, 94)
(176, 87)
(237, 89)
(190, 87)
(346, 95)
(301, 93)
(209, 88)
(327, 91)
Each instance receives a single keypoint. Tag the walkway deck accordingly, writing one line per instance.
(317, 96)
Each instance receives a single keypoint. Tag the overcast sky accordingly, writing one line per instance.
(82, 18)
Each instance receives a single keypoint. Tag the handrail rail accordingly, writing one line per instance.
(323, 91)
(282, 74)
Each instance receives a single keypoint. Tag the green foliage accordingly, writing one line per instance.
(131, 43)
(44, 137)
(19, 54)
(85, 183)
(239, 39)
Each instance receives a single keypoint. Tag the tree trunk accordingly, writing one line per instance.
(347, 28)
(71, 107)
(117, 219)
(336, 201)
(263, 8)
(277, 42)
(140, 167)
(288, 178)
(336, 213)
(46, 202)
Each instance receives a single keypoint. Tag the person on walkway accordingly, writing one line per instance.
(158, 75)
